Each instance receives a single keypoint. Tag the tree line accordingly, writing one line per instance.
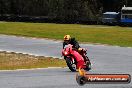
(65, 11)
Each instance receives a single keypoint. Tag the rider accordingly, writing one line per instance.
(72, 41)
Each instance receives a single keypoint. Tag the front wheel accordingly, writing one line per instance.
(71, 64)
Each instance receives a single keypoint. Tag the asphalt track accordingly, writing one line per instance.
(105, 59)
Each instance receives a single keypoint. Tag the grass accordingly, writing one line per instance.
(12, 61)
(112, 35)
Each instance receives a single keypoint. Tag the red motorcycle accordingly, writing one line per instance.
(74, 60)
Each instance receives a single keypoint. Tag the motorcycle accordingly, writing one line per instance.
(74, 60)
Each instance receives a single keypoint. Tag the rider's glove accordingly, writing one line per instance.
(80, 49)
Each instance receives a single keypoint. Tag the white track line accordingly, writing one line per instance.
(32, 69)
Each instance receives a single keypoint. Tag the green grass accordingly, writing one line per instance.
(12, 61)
(112, 35)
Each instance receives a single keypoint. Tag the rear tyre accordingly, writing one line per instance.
(88, 67)
(71, 64)
(88, 64)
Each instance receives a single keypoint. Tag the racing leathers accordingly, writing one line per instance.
(72, 42)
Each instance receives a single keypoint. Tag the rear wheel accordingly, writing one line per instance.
(71, 64)
(88, 64)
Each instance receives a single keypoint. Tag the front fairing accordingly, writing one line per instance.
(65, 53)
(67, 50)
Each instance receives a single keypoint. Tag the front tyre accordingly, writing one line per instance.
(71, 64)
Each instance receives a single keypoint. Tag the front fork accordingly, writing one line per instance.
(72, 59)
(78, 64)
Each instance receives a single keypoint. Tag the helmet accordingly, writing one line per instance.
(67, 37)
